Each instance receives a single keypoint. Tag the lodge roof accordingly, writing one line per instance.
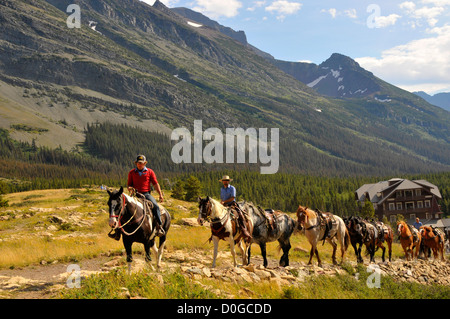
(379, 192)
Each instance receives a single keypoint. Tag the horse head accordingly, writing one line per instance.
(427, 232)
(204, 206)
(400, 227)
(116, 206)
(302, 216)
(355, 225)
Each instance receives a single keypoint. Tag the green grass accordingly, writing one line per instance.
(174, 285)
(111, 286)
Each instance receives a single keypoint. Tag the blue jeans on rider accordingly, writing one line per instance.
(155, 209)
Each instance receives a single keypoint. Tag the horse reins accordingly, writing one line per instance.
(119, 217)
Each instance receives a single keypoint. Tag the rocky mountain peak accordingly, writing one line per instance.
(340, 61)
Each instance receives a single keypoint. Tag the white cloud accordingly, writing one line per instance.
(351, 13)
(256, 4)
(408, 6)
(428, 14)
(217, 8)
(385, 21)
(420, 63)
(283, 8)
(331, 11)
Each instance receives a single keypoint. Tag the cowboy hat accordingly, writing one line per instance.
(225, 178)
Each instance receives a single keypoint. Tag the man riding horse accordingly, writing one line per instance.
(140, 179)
(228, 198)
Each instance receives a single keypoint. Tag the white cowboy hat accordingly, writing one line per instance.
(225, 178)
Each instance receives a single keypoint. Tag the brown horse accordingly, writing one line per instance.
(433, 239)
(410, 238)
(323, 226)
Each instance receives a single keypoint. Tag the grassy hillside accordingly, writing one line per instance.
(153, 70)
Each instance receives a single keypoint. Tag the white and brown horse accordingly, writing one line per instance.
(224, 226)
(323, 226)
(129, 218)
(434, 239)
(410, 239)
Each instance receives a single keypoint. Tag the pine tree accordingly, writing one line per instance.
(193, 188)
(178, 190)
(367, 211)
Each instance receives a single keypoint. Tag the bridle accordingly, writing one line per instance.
(119, 217)
(205, 213)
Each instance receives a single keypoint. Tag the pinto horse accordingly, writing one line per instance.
(263, 233)
(433, 239)
(323, 226)
(410, 239)
(385, 234)
(130, 218)
(224, 226)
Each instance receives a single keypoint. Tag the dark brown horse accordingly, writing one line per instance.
(130, 218)
(385, 234)
(434, 239)
(356, 231)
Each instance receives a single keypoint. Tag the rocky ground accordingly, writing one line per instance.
(46, 280)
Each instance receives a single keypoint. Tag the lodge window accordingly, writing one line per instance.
(391, 206)
(409, 206)
(399, 206)
(427, 203)
(412, 216)
(408, 193)
(418, 192)
(420, 204)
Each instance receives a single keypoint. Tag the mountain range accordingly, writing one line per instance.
(159, 69)
(439, 99)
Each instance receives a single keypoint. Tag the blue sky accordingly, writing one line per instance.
(406, 43)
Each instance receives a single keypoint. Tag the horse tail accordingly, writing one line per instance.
(346, 239)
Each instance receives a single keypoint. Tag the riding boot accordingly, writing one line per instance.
(159, 229)
(116, 235)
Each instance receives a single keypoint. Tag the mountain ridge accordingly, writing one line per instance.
(440, 99)
(143, 64)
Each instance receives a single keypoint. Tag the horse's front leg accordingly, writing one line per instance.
(244, 249)
(216, 248)
(384, 251)
(129, 251)
(264, 253)
(147, 246)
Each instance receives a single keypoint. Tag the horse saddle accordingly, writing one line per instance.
(148, 205)
(327, 221)
(270, 215)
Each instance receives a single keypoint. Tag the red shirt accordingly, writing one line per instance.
(141, 180)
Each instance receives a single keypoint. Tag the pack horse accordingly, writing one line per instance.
(133, 219)
(320, 227)
(224, 226)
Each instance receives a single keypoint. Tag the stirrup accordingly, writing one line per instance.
(160, 231)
